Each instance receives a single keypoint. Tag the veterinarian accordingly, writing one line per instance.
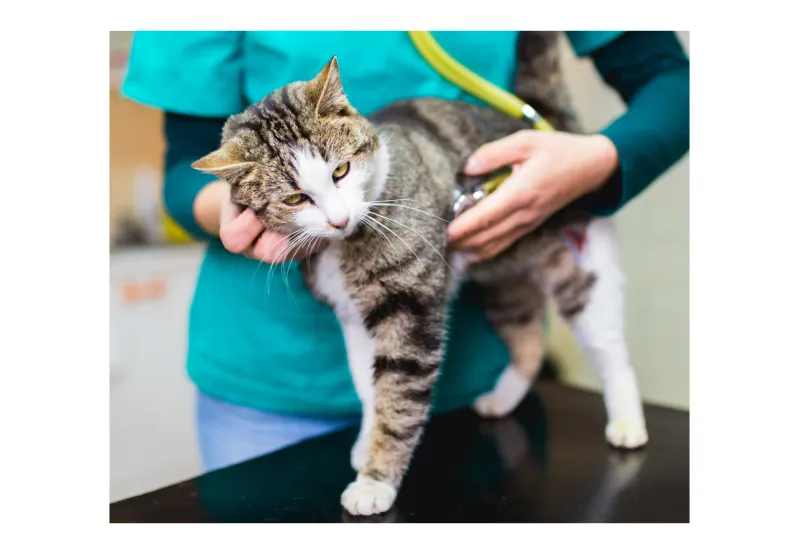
(269, 363)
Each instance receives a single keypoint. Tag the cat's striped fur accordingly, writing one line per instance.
(387, 271)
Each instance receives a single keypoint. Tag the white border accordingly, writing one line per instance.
(55, 275)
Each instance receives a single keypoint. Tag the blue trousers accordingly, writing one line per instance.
(230, 434)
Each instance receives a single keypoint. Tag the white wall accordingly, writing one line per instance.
(152, 401)
(654, 234)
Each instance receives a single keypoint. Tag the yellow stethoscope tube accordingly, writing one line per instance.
(472, 83)
(495, 96)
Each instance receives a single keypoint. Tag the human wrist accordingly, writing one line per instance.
(207, 206)
(603, 162)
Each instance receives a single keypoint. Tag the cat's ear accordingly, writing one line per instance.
(225, 163)
(325, 90)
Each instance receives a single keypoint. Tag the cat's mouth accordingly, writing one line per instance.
(328, 233)
(340, 233)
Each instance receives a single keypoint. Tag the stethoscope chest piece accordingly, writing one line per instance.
(470, 189)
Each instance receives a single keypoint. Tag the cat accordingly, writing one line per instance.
(379, 191)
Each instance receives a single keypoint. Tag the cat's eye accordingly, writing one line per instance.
(340, 171)
(296, 199)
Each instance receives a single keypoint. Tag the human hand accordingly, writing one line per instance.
(550, 170)
(242, 232)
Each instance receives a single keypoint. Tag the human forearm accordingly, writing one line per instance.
(650, 72)
(192, 199)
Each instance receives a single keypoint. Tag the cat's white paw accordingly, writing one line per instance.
(508, 393)
(367, 496)
(623, 433)
(360, 452)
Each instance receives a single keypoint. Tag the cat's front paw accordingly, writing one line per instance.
(366, 496)
(623, 433)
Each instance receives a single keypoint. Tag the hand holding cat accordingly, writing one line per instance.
(550, 170)
(242, 232)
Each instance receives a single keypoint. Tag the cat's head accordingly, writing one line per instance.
(302, 158)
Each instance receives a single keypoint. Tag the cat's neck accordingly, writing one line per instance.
(379, 175)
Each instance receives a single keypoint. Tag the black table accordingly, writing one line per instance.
(548, 462)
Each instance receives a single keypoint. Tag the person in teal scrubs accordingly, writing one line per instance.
(268, 359)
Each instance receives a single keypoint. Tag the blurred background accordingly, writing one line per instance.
(153, 266)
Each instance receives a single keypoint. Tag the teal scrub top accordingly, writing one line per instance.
(259, 338)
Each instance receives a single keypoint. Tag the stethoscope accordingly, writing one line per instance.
(495, 96)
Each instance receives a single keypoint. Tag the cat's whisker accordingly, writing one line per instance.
(254, 274)
(284, 243)
(370, 222)
(321, 241)
(409, 208)
(417, 234)
(304, 244)
(281, 253)
(367, 222)
(285, 239)
(287, 242)
(398, 200)
(314, 243)
(304, 238)
(295, 245)
(397, 236)
(282, 259)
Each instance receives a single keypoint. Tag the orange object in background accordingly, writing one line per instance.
(133, 293)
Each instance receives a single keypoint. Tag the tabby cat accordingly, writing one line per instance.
(379, 190)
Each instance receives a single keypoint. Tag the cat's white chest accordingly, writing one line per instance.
(329, 282)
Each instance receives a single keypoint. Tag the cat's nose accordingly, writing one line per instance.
(340, 223)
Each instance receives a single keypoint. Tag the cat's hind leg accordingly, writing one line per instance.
(515, 309)
(592, 301)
